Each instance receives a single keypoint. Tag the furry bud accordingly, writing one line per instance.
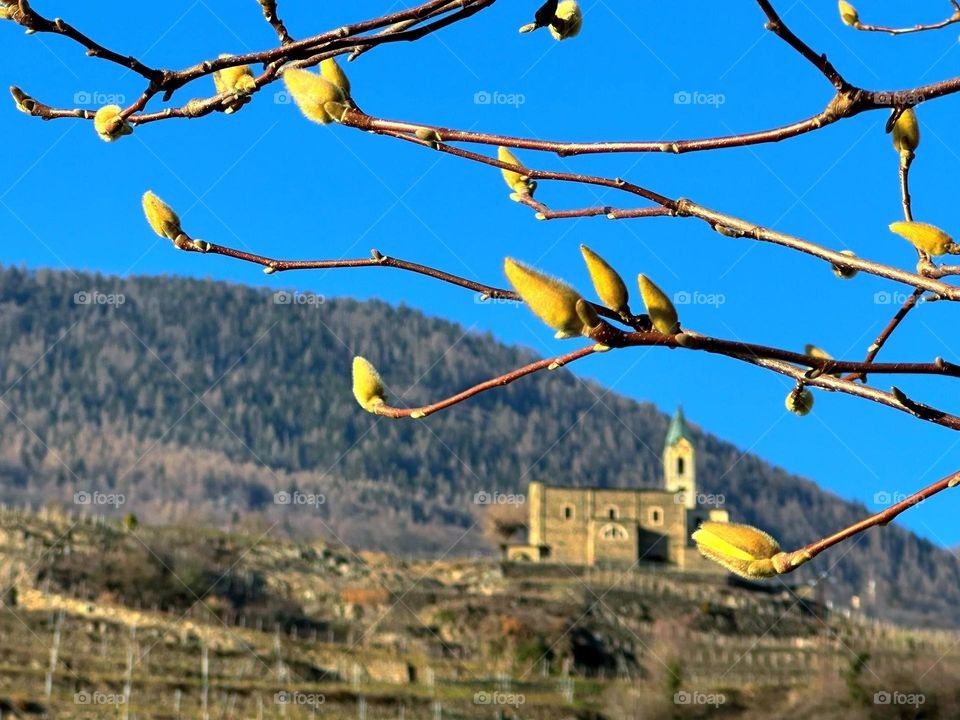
(587, 314)
(799, 401)
(238, 79)
(161, 217)
(318, 99)
(517, 182)
(109, 124)
(820, 354)
(845, 273)
(567, 22)
(932, 240)
(367, 386)
(906, 132)
(741, 549)
(24, 102)
(333, 73)
(660, 308)
(551, 300)
(606, 281)
(849, 14)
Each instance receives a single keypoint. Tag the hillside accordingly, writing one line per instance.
(199, 401)
(301, 630)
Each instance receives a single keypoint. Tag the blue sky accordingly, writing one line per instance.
(267, 180)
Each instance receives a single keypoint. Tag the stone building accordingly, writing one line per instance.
(610, 526)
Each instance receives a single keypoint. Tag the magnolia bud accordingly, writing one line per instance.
(109, 124)
(845, 273)
(520, 184)
(551, 300)
(333, 73)
(367, 386)
(849, 14)
(799, 401)
(741, 549)
(932, 240)
(567, 22)
(587, 314)
(820, 354)
(659, 307)
(161, 217)
(906, 132)
(238, 78)
(24, 102)
(606, 281)
(318, 98)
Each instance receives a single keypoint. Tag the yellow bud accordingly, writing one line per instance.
(332, 71)
(25, 103)
(587, 314)
(318, 98)
(551, 300)
(906, 132)
(606, 281)
(161, 217)
(428, 134)
(820, 354)
(367, 386)
(932, 240)
(9, 8)
(567, 22)
(237, 79)
(109, 124)
(799, 401)
(845, 273)
(515, 181)
(659, 307)
(741, 549)
(849, 14)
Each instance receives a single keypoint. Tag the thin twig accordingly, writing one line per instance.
(797, 557)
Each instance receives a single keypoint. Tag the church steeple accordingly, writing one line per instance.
(678, 428)
(679, 469)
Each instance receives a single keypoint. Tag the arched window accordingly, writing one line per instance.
(568, 512)
(612, 512)
(612, 531)
(680, 465)
(656, 516)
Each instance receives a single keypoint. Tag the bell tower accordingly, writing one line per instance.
(679, 467)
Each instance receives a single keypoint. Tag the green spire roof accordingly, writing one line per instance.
(678, 429)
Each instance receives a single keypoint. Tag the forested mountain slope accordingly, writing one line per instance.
(198, 401)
